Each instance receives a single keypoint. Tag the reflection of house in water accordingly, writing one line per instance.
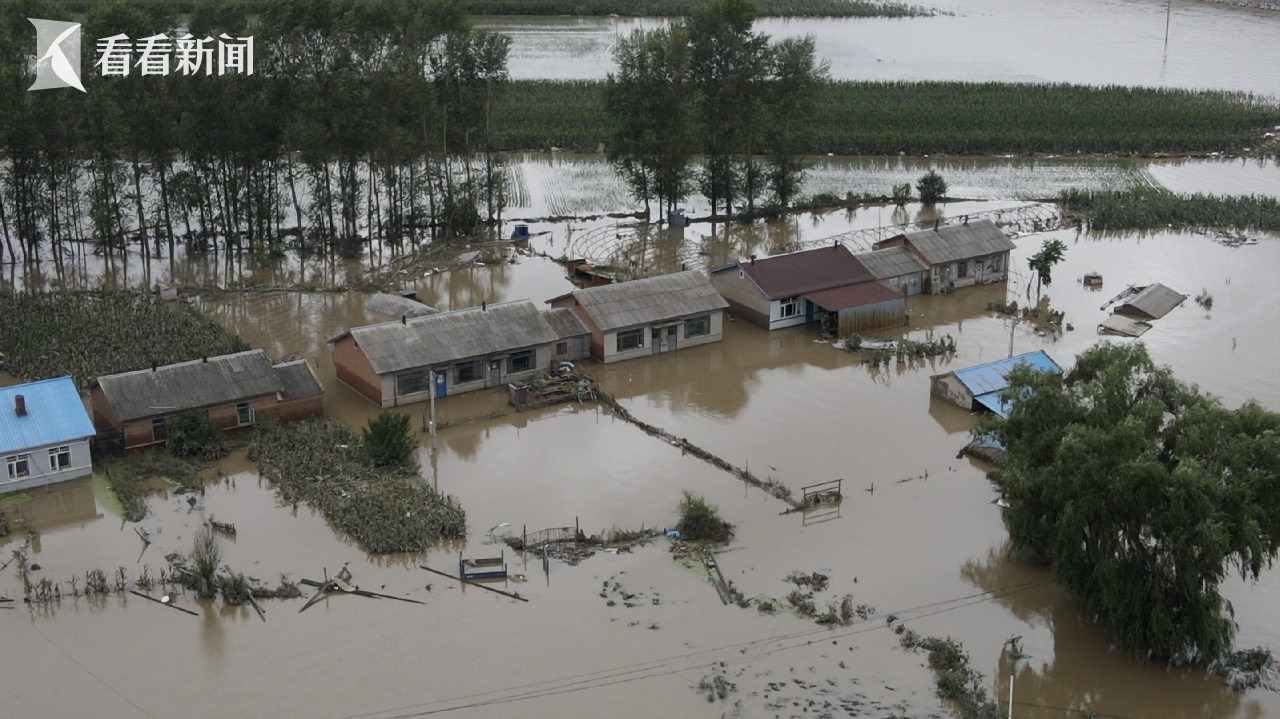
(827, 285)
(44, 434)
(961, 255)
(57, 506)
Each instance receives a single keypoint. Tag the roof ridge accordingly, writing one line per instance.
(184, 363)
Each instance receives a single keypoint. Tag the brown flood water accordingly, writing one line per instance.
(929, 550)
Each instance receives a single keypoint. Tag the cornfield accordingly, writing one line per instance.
(916, 118)
(670, 8)
(94, 333)
(1145, 208)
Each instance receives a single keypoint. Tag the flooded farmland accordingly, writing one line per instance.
(1093, 42)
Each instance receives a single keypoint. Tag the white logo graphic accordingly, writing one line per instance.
(57, 55)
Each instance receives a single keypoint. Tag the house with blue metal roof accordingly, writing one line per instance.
(980, 386)
(44, 434)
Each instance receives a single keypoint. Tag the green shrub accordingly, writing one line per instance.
(700, 520)
(931, 188)
(389, 439)
(194, 434)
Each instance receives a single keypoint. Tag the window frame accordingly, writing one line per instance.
(562, 348)
(160, 429)
(12, 462)
(56, 457)
(704, 321)
(404, 378)
(637, 333)
(789, 303)
(962, 269)
(994, 264)
(245, 419)
(530, 356)
(476, 367)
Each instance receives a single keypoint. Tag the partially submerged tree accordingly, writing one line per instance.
(1142, 493)
(931, 187)
(388, 438)
(700, 520)
(1042, 262)
(194, 434)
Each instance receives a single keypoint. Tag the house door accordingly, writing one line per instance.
(495, 373)
(655, 340)
(671, 338)
(978, 267)
(441, 389)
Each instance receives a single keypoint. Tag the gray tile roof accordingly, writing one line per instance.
(452, 336)
(949, 243)
(565, 322)
(1153, 301)
(187, 385)
(891, 262)
(297, 380)
(395, 306)
(640, 302)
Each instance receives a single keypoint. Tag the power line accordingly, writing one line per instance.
(86, 670)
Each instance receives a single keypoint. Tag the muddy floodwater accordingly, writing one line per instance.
(1093, 42)
(929, 549)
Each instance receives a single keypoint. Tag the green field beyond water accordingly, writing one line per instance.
(917, 118)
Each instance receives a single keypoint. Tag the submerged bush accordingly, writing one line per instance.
(931, 187)
(389, 438)
(700, 520)
(194, 434)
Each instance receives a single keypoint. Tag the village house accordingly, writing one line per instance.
(979, 387)
(641, 317)
(972, 253)
(44, 434)
(896, 268)
(132, 410)
(397, 363)
(828, 285)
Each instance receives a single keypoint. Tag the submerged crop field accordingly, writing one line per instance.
(916, 118)
(1145, 208)
(94, 333)
(672, 8)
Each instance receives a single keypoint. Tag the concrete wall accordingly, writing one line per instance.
(542, 358)
(908, 284)
(610, 353)
(743, 295)
(948, 387)
(577, 348)
(777, 321)
(41, 470)
(981, 270)
(355, 371)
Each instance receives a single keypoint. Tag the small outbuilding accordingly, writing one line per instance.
(972, 253)
(657, 314)
(133, 410)
(828, 285)
(1151, 302)
(401, 362)
(398, 306)
(979, 387)
(44, 434)
(896, 268)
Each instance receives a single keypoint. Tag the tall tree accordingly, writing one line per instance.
(1042, 262)
(1142, 493)
(796, 78)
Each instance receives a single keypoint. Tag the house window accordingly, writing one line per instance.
(19, 466)
(995, 264)
(159, 429)
(562, 348)
(470, 372)
(893, 283)
(520, 362)
(411, 382)
(697, 326)
(244, 414)
(962, 269)
(630, 340)
(59, 459)
(790, 307)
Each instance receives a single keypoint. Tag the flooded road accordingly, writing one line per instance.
(929, 550)
(1092, 42)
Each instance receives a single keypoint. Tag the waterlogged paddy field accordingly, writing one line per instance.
(930, 550)
(1091, 42)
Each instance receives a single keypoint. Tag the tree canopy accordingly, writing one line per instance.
(1143, 493)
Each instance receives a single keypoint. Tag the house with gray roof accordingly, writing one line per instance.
(969, 253)
(649, 316)
(406, 361)
(133, 410)
(896, 268)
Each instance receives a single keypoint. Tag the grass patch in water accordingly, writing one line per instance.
(133, 477)
(12, 499)
(323, 463)
(1147, 208)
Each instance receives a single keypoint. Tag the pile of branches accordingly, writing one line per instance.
(387, 509)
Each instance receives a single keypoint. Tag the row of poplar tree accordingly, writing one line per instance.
(709, 86)
(375, 112)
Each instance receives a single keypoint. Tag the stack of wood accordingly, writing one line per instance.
(550, 389)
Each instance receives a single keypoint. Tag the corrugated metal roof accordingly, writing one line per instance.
(565, 322)
(394, 306)
(186, 385)
(55, 413)
(949, 243)
(796, 273)
(452, 336)
(891, 262)
(991, 400)
(1122, 325)
(993, 376)
(841, 298)
(654, 299)
(1154, 301)
(297, 380)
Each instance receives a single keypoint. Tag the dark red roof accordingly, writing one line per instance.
(807, 271)
(842, 298)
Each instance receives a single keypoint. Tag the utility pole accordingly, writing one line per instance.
(433, 410)
(1014, 656)
(1168, 13)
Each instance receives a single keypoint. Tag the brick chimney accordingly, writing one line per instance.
(20, 405)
